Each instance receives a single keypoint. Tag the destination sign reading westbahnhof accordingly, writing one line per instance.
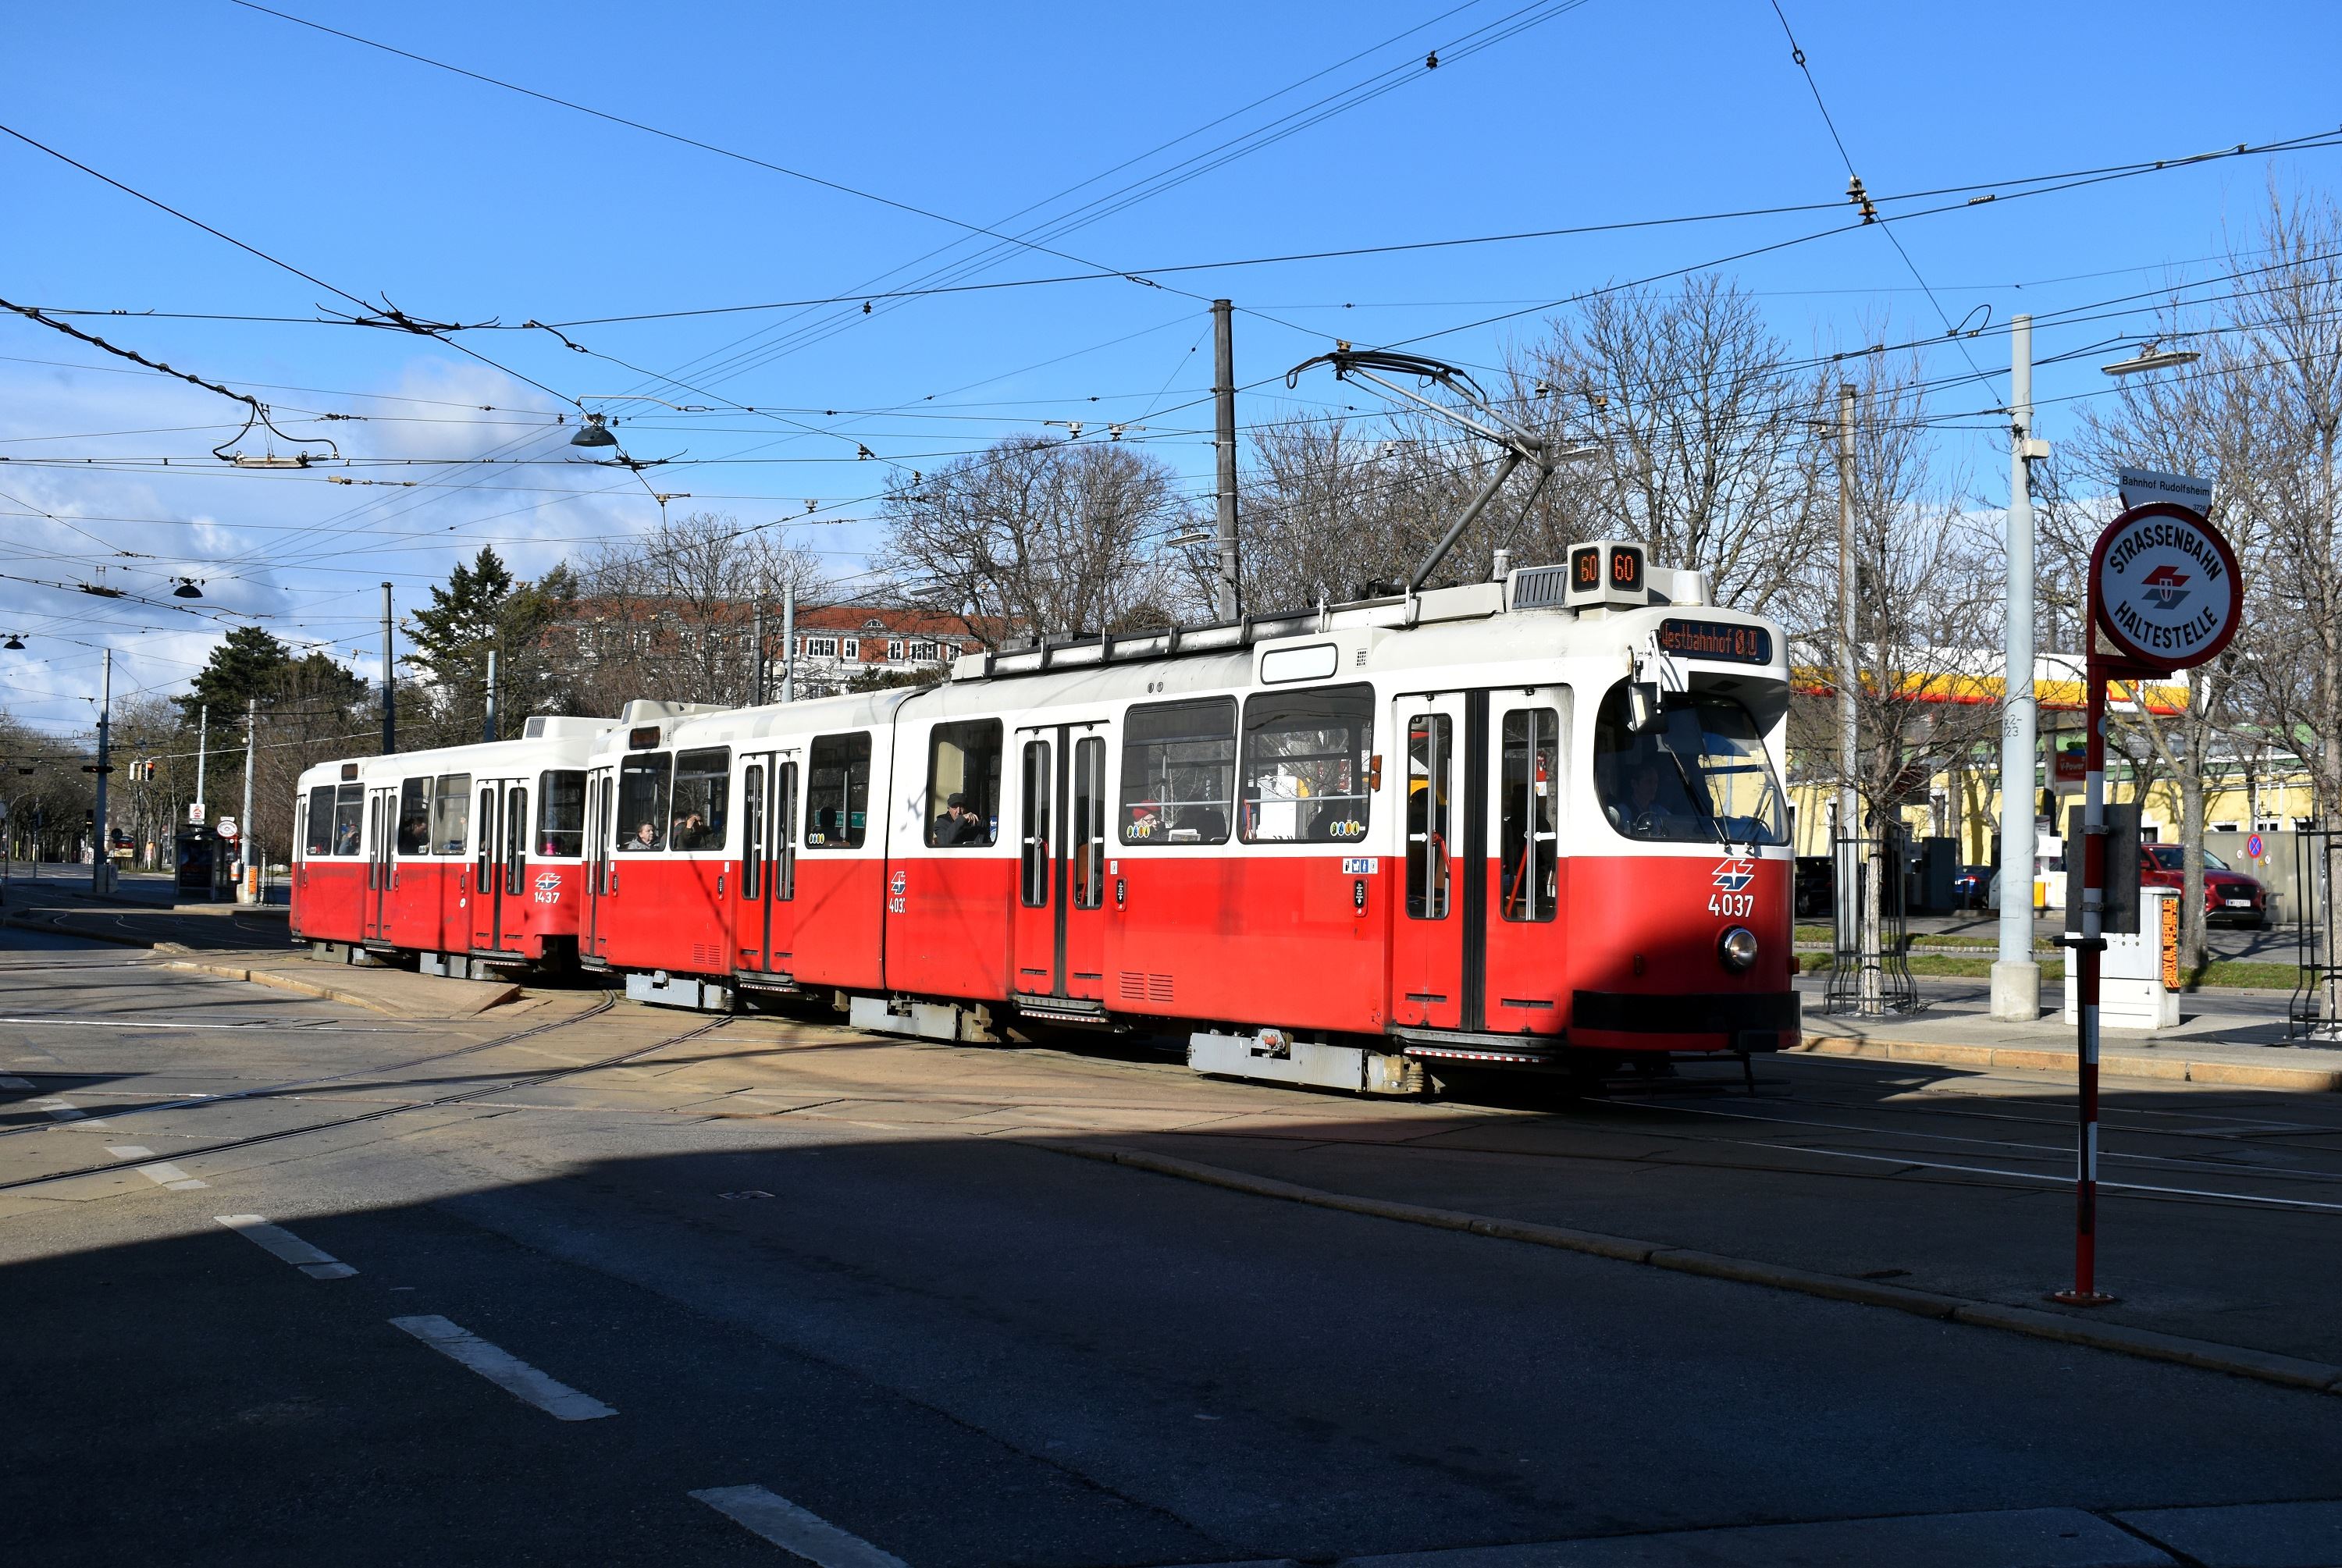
(1716, 640)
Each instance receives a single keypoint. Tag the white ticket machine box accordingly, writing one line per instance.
(2139, 984)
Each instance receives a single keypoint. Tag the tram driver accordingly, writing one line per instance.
(960, 825)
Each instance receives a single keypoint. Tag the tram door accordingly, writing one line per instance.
(1061, 881)
(1477, 946)
(382, 831)
(500, 864)
(599, 805)
(763, 921)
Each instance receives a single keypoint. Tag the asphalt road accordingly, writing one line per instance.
(531, 1306)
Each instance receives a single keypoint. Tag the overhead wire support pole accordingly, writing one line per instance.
(389, 681)
(488, 709)
(788, 642)
(203, 748)
(1224, 444)
(1848, 861)
(248, 879)
(100, 861)
(2016, 977)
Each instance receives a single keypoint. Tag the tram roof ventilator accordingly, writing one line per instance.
(1600, 575)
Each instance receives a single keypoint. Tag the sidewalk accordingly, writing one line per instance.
(250, 942)
(2232, 1038)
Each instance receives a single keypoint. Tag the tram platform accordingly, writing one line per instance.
(2235, 1038)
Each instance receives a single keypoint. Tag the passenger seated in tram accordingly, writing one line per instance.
(646, 836)
(345, 839)
(691, 831)
(960, 825)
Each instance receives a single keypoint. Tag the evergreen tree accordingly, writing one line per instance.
(248, 663)
(451, 637)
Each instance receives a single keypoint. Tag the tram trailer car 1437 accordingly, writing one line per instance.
(461, 856)
(1534, 822)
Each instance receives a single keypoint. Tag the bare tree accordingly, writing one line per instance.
(1043, 536)
(1704, 420)
(670, 615)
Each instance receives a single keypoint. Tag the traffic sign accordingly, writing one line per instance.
(194, 813)
(2163, 587)
(226, 828)
(2253, 848)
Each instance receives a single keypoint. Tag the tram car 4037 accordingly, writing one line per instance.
(462, 857)
(1528, 823)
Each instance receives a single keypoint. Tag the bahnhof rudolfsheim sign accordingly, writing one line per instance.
(2165, 585)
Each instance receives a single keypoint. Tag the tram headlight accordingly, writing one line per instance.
(1738, 948)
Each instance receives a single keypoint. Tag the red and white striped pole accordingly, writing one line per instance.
(2085, 952)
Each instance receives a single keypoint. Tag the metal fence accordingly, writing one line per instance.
(1870, 974)
(2315, 1010)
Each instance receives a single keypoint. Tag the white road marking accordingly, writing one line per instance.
(66, 1111)
(129, 1151)
(278, 1241)
(164, 1173)
(792, 1529)
(9, 1082)
(504, 1369)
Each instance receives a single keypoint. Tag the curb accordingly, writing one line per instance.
(2148, 1344)
(312, 988)
(2036, 1059)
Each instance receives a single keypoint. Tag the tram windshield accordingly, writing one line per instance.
(1700, 774)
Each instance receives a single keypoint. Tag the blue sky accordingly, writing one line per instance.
(463, 202)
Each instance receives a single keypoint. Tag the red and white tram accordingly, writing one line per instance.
(1531, 821)
(463, 855)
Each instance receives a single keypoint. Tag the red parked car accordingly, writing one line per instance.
(2227, 894)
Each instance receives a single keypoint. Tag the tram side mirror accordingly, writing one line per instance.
(1642, 705)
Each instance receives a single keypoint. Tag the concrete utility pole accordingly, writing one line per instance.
(788, 642)
(2016, 977)
(1852, 862)
(247, 880)
(756, 658)
(389, 682)
(1223, 440)
(489, 717)
(203, 747)
(100, 862)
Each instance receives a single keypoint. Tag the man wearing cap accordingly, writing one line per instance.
(960, 825)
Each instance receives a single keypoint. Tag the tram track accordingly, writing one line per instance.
(267, 1091)
(521, 1081)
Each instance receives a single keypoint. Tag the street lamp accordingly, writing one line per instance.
(593, 433)
(2152, 356)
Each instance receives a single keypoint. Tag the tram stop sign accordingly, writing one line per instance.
(226, 828)
(2165, 588)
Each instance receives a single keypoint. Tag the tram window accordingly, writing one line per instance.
(349, 817)
(642, 819)
(1528, 814)
(1700, 775)
(414, 818)
(837, 792)
(488, 846)
(752, 831)
(450, 814)
(1089, 822)
(516, 839)
(1430, 771)
(561, 814)
(1305, 771)
(321, 819)
(1178, 771)
(964, 767)
(784, 836)
(703, 798)
(1039, 784)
